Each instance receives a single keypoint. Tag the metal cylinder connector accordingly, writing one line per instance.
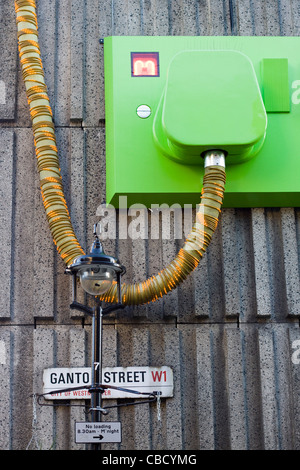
(214, 158)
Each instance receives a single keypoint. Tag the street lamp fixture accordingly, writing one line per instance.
(96, 271)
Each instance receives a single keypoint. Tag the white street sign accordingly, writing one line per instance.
(139, 379)
(94, 433)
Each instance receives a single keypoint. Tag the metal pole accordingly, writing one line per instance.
(99, 360)
(93, 403)
(96, 372)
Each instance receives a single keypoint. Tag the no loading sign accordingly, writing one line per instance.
(93, 433)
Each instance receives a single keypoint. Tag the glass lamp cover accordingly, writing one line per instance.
(96, 280)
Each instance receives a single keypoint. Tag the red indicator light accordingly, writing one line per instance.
(144, 64)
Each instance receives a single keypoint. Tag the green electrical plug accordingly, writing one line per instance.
(211, 100)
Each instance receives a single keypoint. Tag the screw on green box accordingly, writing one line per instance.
(207, 92)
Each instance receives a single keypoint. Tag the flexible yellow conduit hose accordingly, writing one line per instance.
(52, 189)
(190, 254)
(44, 133)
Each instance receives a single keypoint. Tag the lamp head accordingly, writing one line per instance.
(96, 270)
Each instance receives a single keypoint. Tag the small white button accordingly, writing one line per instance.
(143, 111)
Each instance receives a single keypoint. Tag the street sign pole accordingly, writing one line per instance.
(96, 398)
(108, 430)
(96, 389)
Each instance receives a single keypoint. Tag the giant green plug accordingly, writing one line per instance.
(211, 100)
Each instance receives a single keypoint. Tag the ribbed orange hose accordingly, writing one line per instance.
(52, 190)
(189, 256)
(44, 133)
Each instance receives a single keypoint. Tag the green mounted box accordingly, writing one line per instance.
(170, 99)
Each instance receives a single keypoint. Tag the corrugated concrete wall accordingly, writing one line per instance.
(229, 333)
